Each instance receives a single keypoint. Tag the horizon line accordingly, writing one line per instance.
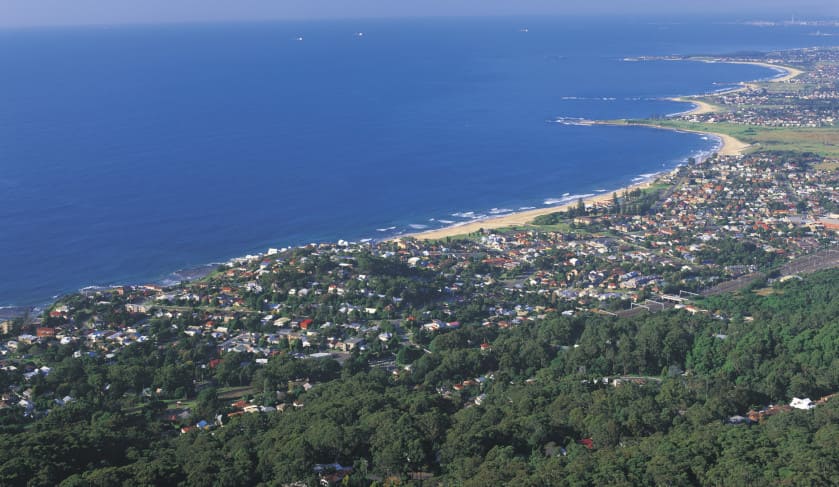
(533, 16)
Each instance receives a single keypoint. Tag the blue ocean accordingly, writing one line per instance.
(128, 153)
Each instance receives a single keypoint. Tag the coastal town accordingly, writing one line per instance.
(794, 100)
(261, 334)
(708, 223)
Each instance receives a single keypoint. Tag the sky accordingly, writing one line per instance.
(29, 13)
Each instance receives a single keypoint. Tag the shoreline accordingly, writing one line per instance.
(521, 217)
(180, 276)
(526, 217)
(728, 145)
(782, 78)
(701, 107)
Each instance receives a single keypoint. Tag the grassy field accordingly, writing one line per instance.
(822, 141)
(235, 392)
(559, 227)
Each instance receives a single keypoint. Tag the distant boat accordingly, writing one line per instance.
(359, 34)
(525, 30)
(300, 38)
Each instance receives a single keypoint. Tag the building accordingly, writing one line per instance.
(45, 332)
(804, 403)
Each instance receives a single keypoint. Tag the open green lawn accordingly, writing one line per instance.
(559, 227)
(656, 187)
(235, 392)
(786, 87)
(822, 141)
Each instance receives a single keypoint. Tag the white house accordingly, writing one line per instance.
(805, 403)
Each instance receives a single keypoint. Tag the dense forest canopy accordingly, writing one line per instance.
(573, 400)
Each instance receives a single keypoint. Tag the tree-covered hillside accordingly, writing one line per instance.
(573, 400)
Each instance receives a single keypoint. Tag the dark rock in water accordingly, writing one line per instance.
(189, 274)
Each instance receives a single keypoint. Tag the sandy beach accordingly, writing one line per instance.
(699, 107)
(518, 218)
(702, 107)
(791, 72)
(730, 146)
